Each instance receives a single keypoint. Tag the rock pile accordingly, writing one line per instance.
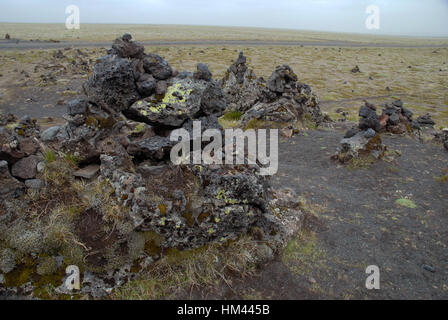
(281, 99)
(141, 203)
(364, 140)
(20, 151)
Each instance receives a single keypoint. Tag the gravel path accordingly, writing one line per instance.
(28, 45)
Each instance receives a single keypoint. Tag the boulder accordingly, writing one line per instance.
(185, 99)
(112, 84)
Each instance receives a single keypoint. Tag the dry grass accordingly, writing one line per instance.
(108, 32)
(423, 87)
(178, 272)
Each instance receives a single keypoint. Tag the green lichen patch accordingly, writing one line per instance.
(407, 203)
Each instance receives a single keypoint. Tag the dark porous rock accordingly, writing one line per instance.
(156, 148)
(203, 72)
(213, 100)
(281, 78)
(112, 84)
(369, 118)
(25, 168)
(146, 85)
(9, 186)
(77, 106)
(124, 47)
(157, 66)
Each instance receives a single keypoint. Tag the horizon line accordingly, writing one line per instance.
(245, 27)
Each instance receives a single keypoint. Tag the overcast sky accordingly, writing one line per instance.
(401, 17)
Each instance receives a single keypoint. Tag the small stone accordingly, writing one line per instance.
(356, 70)
(88, 172)
(50, 134)
(35, 184)
(40, 166)
(370, 133)
(429, 268)
(77, 106)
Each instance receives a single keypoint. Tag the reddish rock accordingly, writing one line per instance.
(383, 120)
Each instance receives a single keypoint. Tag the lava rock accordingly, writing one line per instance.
(147, 85)
(203, 72)
(280, 78)
(77, 106)
(157, 66)
(124, 47)
(426, 121)
(112, 83)
(9, 186)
